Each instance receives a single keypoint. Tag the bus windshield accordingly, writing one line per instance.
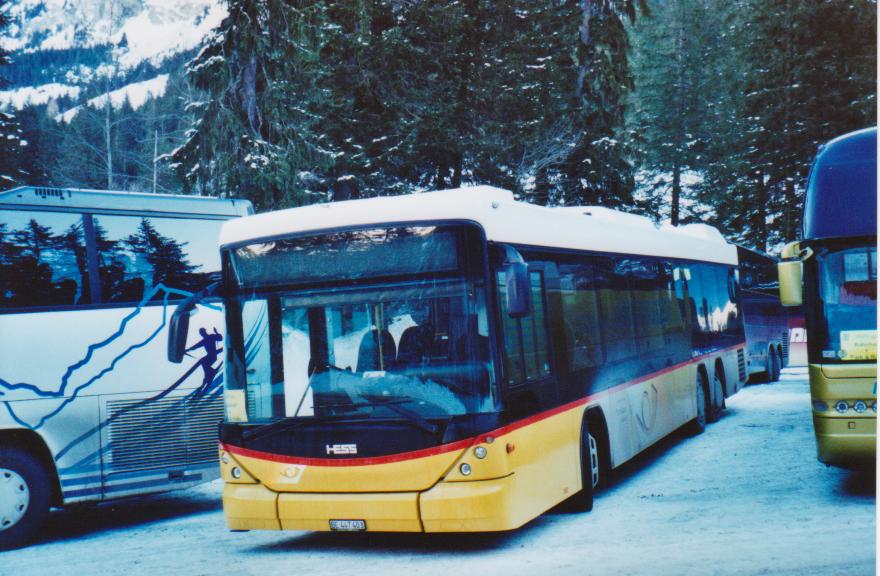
(848, 310)
(367, 324)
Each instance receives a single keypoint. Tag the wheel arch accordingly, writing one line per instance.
(33, 443)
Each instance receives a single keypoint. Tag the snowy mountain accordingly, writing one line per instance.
(61, 47)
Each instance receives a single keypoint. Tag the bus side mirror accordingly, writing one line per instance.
(517, 283)
(178, 330)
(791, 270)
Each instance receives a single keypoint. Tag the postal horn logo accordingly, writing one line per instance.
(339, 449)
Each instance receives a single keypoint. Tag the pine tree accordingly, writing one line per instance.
(256, 129)
(11, 143)
(800, 73)
(406, 96)
(675, 65)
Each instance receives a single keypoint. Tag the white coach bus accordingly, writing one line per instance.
(89, 407)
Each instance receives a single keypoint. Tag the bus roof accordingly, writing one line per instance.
(503, 219)
(841, 197)
(115, 201)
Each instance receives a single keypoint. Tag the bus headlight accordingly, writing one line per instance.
(860, 406)
(480, 452)
(236, 472)
(820, 406)
(874, 405)
(841, 406)
(224, 457)
(465, 469)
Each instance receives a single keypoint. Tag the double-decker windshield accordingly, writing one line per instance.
(848, 314)
(382, 323)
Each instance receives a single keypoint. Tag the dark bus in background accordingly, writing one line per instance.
(765, 320)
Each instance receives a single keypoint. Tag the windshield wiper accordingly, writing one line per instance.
(285, 424)
(412, 417)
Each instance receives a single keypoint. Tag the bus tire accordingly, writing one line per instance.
(590, 469)
(772, 365)
(698, 424)
(25, 494)
(716, 405)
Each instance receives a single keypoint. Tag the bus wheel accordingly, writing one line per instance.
(590, 466)
(698, 424)
(24, 496)
(772, 365)
(714, 413)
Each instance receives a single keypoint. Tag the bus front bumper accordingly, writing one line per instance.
(847, 442)
(477, 506)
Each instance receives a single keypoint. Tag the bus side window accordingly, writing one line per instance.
(525, 339)
(136, 254)
(580, 315)
(645, 285)
(43, 259)
(616, 308)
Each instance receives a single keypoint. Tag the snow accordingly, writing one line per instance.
(137, 94)
(157, 29)
(165, 27)
(36, 95)
(746, 497)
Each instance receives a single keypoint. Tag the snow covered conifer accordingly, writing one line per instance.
(11, 143)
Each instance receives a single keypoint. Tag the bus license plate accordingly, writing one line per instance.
(348, 525)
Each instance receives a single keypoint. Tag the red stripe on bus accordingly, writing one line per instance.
(464, 443)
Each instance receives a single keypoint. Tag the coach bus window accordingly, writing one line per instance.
(138, 254)
(42, 259)
(616, 308)
(580, 314)
(848, 292)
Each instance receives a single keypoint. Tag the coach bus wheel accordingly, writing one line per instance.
(24, 496)
(590, 466)
(698, 424)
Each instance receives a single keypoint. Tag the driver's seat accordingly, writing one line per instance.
(368, 352)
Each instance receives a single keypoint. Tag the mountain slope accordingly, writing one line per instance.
(60, 48)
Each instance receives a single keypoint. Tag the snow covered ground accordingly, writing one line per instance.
(746, 497)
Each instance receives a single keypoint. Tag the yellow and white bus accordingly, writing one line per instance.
(459, 361)
(833, 272)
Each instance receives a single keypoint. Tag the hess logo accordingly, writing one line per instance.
(338, 449)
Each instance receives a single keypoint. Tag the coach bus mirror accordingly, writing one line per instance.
(790, 271)
(517, 284)
(177, 333)
(178, 328)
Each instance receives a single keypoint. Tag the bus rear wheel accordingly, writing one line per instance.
(24, 496)
(590, 470)
(714, 413)
(698, 424)
(773, 363)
